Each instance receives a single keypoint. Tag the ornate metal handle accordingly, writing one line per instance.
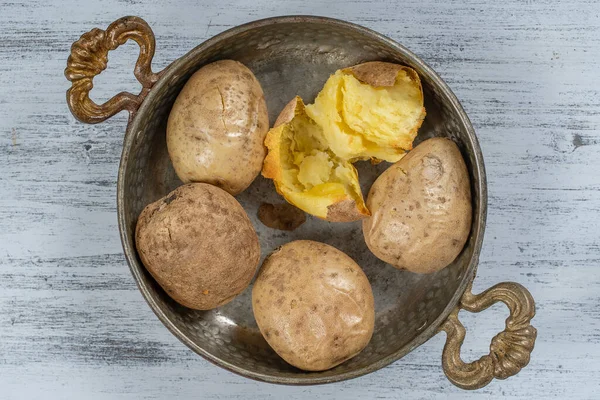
(509, 350)
(88, 58)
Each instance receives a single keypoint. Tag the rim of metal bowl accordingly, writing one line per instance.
(477, 230)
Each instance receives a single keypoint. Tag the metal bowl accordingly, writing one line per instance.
(290, 56)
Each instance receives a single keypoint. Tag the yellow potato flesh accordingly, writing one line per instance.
(313, 178)
(361, 121)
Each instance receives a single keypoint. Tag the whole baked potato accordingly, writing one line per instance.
(217, 127)
(421, 208)
(313, 304)
(199, 245)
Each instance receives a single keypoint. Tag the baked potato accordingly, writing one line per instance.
(217, 126)
(199, 245)
(369, 111)
(313, 304)
(421, 208)
(306, 173)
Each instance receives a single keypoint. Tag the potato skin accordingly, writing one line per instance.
(289, 111)
(421, 209)
(283, 216)
(314, 305)
(199, 245)
(217, 127)
(381, 74)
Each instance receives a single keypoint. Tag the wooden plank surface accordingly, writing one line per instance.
(72, 323)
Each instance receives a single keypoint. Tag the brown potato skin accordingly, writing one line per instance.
(345, 211)
(421, 209)
(199, 245)
(217, 127)
(314, 305)
(379, 73)
(288, 112)
(283, 216)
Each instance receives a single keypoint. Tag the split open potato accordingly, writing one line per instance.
(307, 173)
(369, 111)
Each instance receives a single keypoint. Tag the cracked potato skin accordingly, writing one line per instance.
(217, 127)
(421, 209)
(314, 305)
(199, 245)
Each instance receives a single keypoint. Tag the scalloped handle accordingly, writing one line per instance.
(509, 351)
(89, 56)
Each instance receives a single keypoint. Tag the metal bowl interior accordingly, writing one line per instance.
(290, 56)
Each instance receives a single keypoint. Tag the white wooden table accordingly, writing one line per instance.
(74, 326)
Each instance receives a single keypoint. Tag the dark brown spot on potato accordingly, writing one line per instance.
(433, 168)
(171, 198)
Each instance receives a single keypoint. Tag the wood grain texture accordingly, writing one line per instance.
(72, 323)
